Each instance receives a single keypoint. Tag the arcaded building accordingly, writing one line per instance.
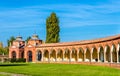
(97, 50)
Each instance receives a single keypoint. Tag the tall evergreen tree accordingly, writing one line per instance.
(52, 29)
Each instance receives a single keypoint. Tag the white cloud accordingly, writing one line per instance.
(71, 15)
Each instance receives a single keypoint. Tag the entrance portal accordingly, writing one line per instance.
(29, 56)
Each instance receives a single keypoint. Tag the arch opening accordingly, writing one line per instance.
(67, 55)
(108, 54)
(94, 55)
(29, 56)
(22, 54)
(101, 54)
(39, 55)
(87, 56)
(74, 55)
(81, 55)
(53, 56)
(46, 55)
(60, 55)
(14, 55)
(114, 54)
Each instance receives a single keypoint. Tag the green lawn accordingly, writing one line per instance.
(59, 70)
(3, 75)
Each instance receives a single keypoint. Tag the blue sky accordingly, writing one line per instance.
(79, 19)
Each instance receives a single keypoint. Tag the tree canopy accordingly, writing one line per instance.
(28, 38)
(10, 41)
(52, 29)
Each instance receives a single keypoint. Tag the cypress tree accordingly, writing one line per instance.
(52, 29)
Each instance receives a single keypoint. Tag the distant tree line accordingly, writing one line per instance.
(3, 50)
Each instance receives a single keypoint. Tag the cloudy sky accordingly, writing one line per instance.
(79, 19)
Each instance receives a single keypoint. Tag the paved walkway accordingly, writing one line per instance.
(12, 74)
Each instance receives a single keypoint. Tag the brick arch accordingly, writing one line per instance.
(101, 53)
(60, 54)
(67, 54)
(80, 54)
(107, 53)
(116, 44)
(86, 48)
(73, 54)
(113, 48)
(88, 54)
(46, 55)
(39, 54)
(114, 53)
(94, 53)
(29, 55)
(13, 54)
(81, 49)
(52, 55)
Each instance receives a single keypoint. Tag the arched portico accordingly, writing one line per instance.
(98, 50)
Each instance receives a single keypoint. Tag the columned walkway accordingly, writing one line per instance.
(107, 54)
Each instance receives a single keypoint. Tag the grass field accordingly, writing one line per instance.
(59, 70)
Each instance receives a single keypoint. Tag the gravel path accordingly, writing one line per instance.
(12, 74)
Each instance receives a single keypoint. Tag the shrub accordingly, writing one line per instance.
(18, 60)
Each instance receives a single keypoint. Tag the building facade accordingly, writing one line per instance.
(97, 50)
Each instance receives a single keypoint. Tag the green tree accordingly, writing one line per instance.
(52, 29)
(28, 38)
(10, 41)
(1, 44)
(4, 51)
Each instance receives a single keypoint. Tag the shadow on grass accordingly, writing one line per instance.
(12, 64)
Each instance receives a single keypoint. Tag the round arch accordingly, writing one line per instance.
(94, 55)
(29, 54)
(67, 55)
(80, 55)
(13, 55)
(22, 54)
(118, 48)
(101, 54)
(87, 55)
(73, 54)
(39, 55)
(108, 53)
(46, 55)
(114, 53)
(59, 55)
(53, 55)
